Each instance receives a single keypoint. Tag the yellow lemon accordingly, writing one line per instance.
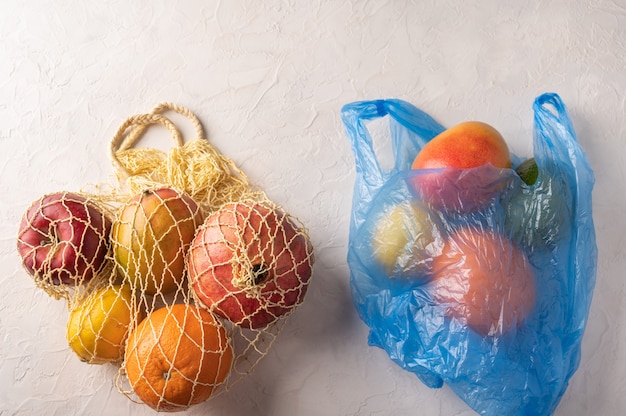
(99, 325)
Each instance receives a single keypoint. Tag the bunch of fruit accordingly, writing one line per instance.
(468, 231)
(164, 288)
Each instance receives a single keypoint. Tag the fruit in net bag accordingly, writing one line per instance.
(99, 324)
(177, 357)
(250, 263)
(458, 187)
(484, 280)
(63, 239)
(151, 236)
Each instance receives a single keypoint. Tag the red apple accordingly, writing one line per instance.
(63, 238)
(250, 263)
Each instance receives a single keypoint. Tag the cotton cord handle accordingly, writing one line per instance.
(134, 127)
(167, 106)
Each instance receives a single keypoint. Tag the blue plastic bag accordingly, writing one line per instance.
(515, 356)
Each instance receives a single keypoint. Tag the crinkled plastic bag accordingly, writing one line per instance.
(509, 344)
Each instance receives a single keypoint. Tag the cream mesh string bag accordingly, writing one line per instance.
(199, 271)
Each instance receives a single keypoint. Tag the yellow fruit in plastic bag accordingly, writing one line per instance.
(99, 325)
(405, 240)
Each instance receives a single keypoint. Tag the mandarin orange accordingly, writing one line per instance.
(177, 356)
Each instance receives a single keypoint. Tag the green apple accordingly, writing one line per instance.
(539, 213)
(528, 171)
(405, 239)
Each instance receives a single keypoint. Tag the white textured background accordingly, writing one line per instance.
(268, 79)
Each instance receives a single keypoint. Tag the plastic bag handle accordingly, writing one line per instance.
(353, 115)
(408, 116)
(551, 106)
(553, 123)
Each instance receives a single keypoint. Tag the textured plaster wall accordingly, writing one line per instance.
(268, 79)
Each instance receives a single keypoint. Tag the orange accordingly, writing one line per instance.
(484, 280)
(177, 356)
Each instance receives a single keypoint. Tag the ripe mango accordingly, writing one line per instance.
(466, 145)
(151, 236)
(474, 155)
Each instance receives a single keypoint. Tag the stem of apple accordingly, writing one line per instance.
(53, 235)
(259, 272)
(250, 277)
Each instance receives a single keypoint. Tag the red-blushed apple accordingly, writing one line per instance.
(250, 264)
(63, 238)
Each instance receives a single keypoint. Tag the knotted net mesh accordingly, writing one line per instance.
(181, 273)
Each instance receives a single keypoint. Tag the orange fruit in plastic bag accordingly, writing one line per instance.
(484, 280)
(177, 356)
